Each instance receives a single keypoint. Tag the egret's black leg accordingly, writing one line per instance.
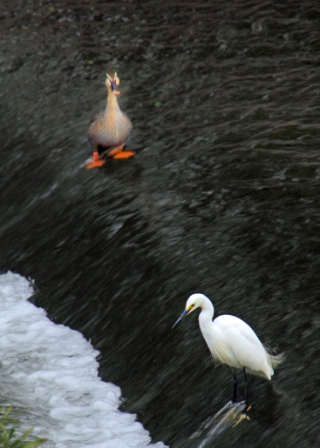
(235, 384)
(246, 387)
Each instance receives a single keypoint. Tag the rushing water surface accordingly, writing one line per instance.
(49, 372)
(223, 197)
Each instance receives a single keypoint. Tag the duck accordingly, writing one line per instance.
(109, 129)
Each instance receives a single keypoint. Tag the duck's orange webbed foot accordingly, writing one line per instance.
(115, 151)
(124, 155)
(95, 161)
(95, 164)
(118, 153)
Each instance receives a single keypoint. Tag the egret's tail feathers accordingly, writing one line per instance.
(275, 360)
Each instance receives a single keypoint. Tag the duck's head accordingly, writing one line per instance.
(113, 83)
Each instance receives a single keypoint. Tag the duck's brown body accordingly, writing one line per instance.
(109, 129)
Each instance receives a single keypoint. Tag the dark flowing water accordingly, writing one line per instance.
(223, 196)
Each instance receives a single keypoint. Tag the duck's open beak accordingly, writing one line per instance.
(114, 88)
(184, 313)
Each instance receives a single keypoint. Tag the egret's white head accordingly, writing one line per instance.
(195, 301)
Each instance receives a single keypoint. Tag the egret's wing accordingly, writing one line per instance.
(237, 345)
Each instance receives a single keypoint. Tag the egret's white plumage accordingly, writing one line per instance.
(230, 340)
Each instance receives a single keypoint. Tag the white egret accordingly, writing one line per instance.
(231, 341)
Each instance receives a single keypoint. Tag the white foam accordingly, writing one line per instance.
(50, 372)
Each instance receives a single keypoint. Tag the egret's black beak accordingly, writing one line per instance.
(184, 313)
